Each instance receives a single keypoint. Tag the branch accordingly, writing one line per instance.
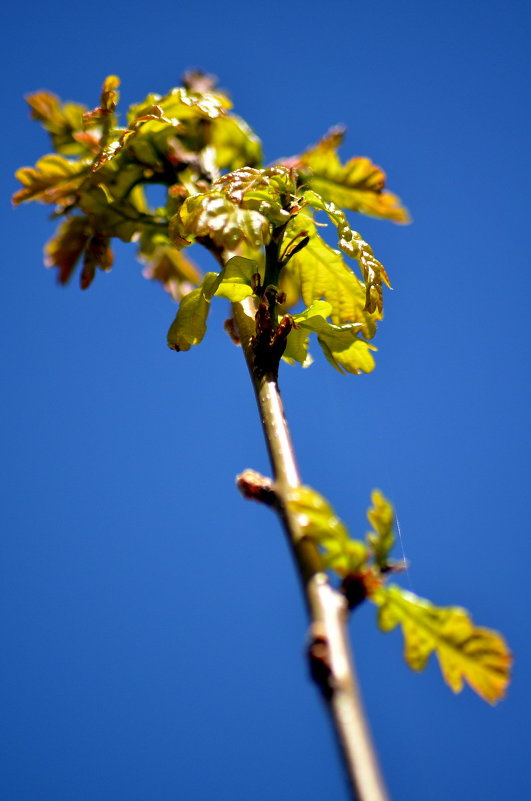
(331, 664)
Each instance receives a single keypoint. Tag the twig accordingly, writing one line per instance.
(331, 664)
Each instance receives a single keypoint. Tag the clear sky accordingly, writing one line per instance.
(151, 626)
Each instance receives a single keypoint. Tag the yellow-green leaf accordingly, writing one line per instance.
(233, 283)
(317, 520)
(297, 345)
(357, 185)
(465, 652)
(322, 274)
(341, 344)
(236, 145)
(63, 121)
(54, 179)
(346, 353)
(236, 279)
(354, 245)
(189, 326)
(381, 516)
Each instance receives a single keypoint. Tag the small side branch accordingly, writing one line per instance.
(330, 660)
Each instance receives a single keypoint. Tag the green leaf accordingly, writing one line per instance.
(381, 517)
(317, 520)
(236, 145)
(322, 274)
(189, 326)
(341, 344)
(465, 652)
(236, 279)
(353, 245)
(297, 348)
(297, 344)
(357, 185)
(233, 283)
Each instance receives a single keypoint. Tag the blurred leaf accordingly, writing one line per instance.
(104, 113)
(353, 245)
(322, 273)
(465, 652)
(76, 237)
(182, 104)
(317, 520)
(54, 179)
(167, 264)
(357, 185)
(63, 121)
(66, 247)
(381, 517)
(236, 145)
(98, 253)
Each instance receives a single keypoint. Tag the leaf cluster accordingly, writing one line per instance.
(466, 653)
(219, 194)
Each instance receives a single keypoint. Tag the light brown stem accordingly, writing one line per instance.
(331, 662)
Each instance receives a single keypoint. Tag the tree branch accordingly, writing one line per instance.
(331, 663)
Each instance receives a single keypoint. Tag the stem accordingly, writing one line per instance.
(331, 663)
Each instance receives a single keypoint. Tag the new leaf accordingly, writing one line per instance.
(357, 185)
(465, 652)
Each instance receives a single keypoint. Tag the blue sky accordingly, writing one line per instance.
(151, 622)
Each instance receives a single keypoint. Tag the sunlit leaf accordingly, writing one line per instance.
(103, 114)
(233, 283)
(298, 338)
(381, 539)
(322, 274)
(189, 326)
(297, 348)
(236, 279)
(54, 179)
(354, 245)
(235, 144)
(341, 344)
(357, 185)
(63, 121)
(465, 652)
(182, 104)
(345, 351)
(317, 520)
(215, 216)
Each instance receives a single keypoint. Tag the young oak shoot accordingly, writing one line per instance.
(285, 283)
